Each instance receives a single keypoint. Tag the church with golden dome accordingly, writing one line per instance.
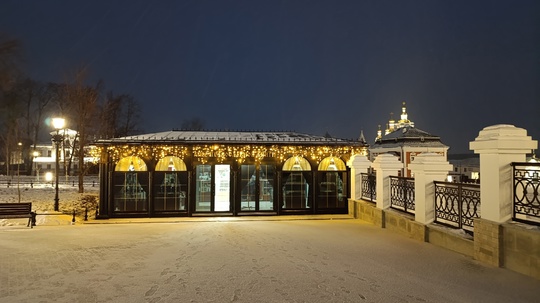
(403, 139)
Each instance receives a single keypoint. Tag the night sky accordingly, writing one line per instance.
(310, 66)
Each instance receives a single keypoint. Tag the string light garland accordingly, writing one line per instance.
(221, 152)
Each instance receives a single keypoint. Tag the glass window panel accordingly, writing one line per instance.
(266, 187)
(170, 191)
(331, 192)
(203, 187)
(296, 190)
(130, 191)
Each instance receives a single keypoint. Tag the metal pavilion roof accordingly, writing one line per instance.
(230, 137)
(409, 136)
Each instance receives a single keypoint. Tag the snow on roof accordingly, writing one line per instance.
(409, 136)
(408, 132)
(227, 137)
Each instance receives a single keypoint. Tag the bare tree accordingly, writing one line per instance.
(80, 103)
(10, 110)
(35, 98)
(9, 57)
(109, 113)
(130, 116)
(193, 124)
(10, 113)
(120, 115)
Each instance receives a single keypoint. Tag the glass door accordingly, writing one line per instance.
(256, 188)
(203, 188)
(213, 188)
(248, 191)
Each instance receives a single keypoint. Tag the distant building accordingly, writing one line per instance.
(404, 140)
(466, 168)
(206, 173)
(44, 155)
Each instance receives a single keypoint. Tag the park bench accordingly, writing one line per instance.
(18, 210)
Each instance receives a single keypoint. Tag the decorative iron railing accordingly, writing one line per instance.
(32, 181)
(402, 194)
(457, 204)
(369, 192)
(526, 179)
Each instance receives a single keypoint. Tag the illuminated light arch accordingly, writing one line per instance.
(131, 163)
(296, 163)
(171, 163)
(331, 164)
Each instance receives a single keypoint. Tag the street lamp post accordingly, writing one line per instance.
(36, 171)
(58, 124)
(19, 158)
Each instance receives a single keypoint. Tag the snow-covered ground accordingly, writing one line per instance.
(41, 194)
(330, 261)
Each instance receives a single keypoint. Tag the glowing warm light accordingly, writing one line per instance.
(331, 163)
(58, 123)
(171, 163)
(221, 153)
(131, 163)
(48, 176)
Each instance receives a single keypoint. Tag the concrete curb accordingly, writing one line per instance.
(61, 219)
(215, 219)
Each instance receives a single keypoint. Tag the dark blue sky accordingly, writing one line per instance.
(310, 66)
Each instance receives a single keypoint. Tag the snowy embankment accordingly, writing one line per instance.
(41, 195)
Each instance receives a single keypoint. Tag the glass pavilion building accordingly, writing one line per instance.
(219, 173)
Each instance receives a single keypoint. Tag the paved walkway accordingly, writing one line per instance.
(241, 260)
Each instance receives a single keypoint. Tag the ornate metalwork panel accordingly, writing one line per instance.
(369, 191)
(526, 192)
(402, 194)
(457, 204)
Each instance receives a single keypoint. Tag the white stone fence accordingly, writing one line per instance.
(499, 146)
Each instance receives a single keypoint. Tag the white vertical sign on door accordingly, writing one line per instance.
(222, 186)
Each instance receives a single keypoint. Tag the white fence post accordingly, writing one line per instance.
(427, 167)
(498, 146)
(385, 165)
(358, 164)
